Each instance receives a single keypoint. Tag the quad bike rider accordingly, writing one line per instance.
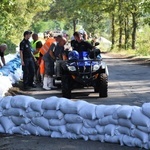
(84, 69)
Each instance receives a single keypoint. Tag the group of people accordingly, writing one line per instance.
(37, 58)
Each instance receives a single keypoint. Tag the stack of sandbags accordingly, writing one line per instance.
(63, 118)
(11, 73)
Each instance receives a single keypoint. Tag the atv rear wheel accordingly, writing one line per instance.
(66, 89)
(102, 85)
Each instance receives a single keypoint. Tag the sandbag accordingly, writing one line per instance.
(136, 114)
(73, 118)
(21, 101)
(53, 114)
(52, 103)
(41, 122)
(74, 127)
(37, 106)
(145, 109)
(108, 120)
(5, 102)
(57, 122)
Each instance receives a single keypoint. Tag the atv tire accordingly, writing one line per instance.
(102, 85)
(66, 89)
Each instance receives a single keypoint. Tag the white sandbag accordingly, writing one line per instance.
(52, 103)
(70, 135)
(42, 132)
(112, 139)
(57, 122)
(124, 112)
(21, 101)
(88, 111)
(53, 114)
(88, 131)
(138, 143)
(110, 109)
(136, 114)
(32, 129)
(20, 120)
(144, 129)
(73, 118)
(110, 129)
(2, 129)
(130, 141)
(18, 130)
(74, 127)
(126, 123)
(108, 120)
(100, 129)
(90, 123)
(99, 110)
(144, 137)
(61, 129)
(41, 122)
(124, 130)
(13, 112)
(6, 123)
(69, 107)
(145, 109)
(146, 145)
(32, 114)
(37, 106)
(1, 114)
(5, 102)
(97, 137)
(56, 134)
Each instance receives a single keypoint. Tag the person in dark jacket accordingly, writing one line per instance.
(27, 61)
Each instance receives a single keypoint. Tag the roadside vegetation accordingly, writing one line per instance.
(126, 24)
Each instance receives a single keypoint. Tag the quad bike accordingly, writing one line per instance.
(82, 71)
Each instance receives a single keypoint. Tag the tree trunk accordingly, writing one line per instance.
(126, 30)
(113, 30)
(74, 25)
(134, 27)
(120, 34)
(120, 25)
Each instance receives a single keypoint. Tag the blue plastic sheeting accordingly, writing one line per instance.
(11, 66)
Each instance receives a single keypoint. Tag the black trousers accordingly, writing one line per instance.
(28, 71)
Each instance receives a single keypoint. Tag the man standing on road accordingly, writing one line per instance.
(3, 47)
(56, 51)
(36, 45)
(27, 61)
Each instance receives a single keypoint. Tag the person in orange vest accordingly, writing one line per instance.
(43, 50)
(56, 51)
(47, 44)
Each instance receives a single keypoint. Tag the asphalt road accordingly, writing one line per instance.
(128, 85)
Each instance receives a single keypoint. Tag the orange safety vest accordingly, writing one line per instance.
(42, 67)
(46, 45)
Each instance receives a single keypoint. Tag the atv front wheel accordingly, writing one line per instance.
(102, 85)
(66, 89)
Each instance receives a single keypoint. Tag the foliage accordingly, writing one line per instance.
(120, 21)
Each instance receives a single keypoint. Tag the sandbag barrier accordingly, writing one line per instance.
(62, 118)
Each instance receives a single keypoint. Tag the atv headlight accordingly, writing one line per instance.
(72, 68)
(96, 67)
